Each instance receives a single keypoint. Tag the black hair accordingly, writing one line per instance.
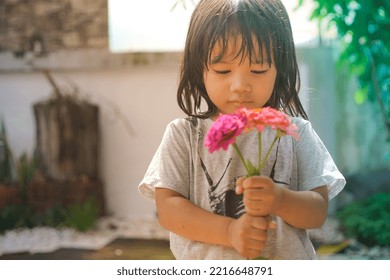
(260, 23)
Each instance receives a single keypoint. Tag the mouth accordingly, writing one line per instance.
(241, 102)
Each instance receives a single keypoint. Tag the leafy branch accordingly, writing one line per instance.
(363, 27)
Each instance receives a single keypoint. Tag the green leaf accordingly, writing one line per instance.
(361, 96)
(251, 168)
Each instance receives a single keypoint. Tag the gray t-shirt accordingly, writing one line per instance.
(182, 163)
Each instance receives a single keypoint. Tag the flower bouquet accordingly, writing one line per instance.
(227, 127)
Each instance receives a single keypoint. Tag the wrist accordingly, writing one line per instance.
(279, 197)
(229, 233)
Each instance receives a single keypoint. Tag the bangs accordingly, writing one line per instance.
(250, 29)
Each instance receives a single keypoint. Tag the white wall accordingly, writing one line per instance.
(146, 95)
(318, 89)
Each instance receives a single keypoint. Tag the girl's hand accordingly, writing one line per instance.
(247, 235)
(261, 195)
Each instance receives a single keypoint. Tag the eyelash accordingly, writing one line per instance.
(257, 72)
(222, 72)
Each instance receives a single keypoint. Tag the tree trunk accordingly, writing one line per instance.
(67, 138)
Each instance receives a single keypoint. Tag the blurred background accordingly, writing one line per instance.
(87, 88)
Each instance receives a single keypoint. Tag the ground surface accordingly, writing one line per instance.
(118, 239)
(120, 249)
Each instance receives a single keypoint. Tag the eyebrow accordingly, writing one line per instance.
(219, 59)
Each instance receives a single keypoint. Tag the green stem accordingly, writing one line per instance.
(260, 151)
(241, 157)
(268, 152)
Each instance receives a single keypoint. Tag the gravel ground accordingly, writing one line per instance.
(108, 229)
(46, 239)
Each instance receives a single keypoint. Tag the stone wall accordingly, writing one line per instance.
(42, 26)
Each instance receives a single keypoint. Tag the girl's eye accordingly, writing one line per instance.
(222, 71)
(259, 71)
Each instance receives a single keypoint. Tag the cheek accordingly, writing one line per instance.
(264, 90)
(211, 84)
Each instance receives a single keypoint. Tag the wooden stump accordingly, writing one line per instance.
(67, 138)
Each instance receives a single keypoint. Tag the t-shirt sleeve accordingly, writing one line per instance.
(315, 164)
(169, 167)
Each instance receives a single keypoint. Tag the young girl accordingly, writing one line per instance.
(240, 53)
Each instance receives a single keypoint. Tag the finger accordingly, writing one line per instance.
(255, 207)
(253, 249)
(239, 188)
(252, 193)
(271, 223)
(257, 235)
(259, 222)
(255, 245)
(257, 212)
(257, 182)
(251, 203)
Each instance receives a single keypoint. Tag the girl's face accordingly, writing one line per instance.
(232, 81)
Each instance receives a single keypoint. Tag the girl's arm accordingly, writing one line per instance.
(180, 216)
(301, 209)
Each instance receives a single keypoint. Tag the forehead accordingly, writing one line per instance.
(234, 47)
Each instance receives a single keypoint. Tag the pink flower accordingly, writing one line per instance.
(278, 120)
(224, 131)
(227, 127)
(261, 118)
(254, 118)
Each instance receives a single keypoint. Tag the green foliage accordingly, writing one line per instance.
(6, 161)
(26, 168)
(52, 217)
(15, 216)
(79, 216)
(20, 215)
(368, 220)
(21, 172)
(363, 27)
(82, 216)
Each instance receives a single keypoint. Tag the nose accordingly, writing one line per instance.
(240, 83)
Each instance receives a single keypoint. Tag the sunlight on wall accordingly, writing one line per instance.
(161, 25)
(148, 25)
